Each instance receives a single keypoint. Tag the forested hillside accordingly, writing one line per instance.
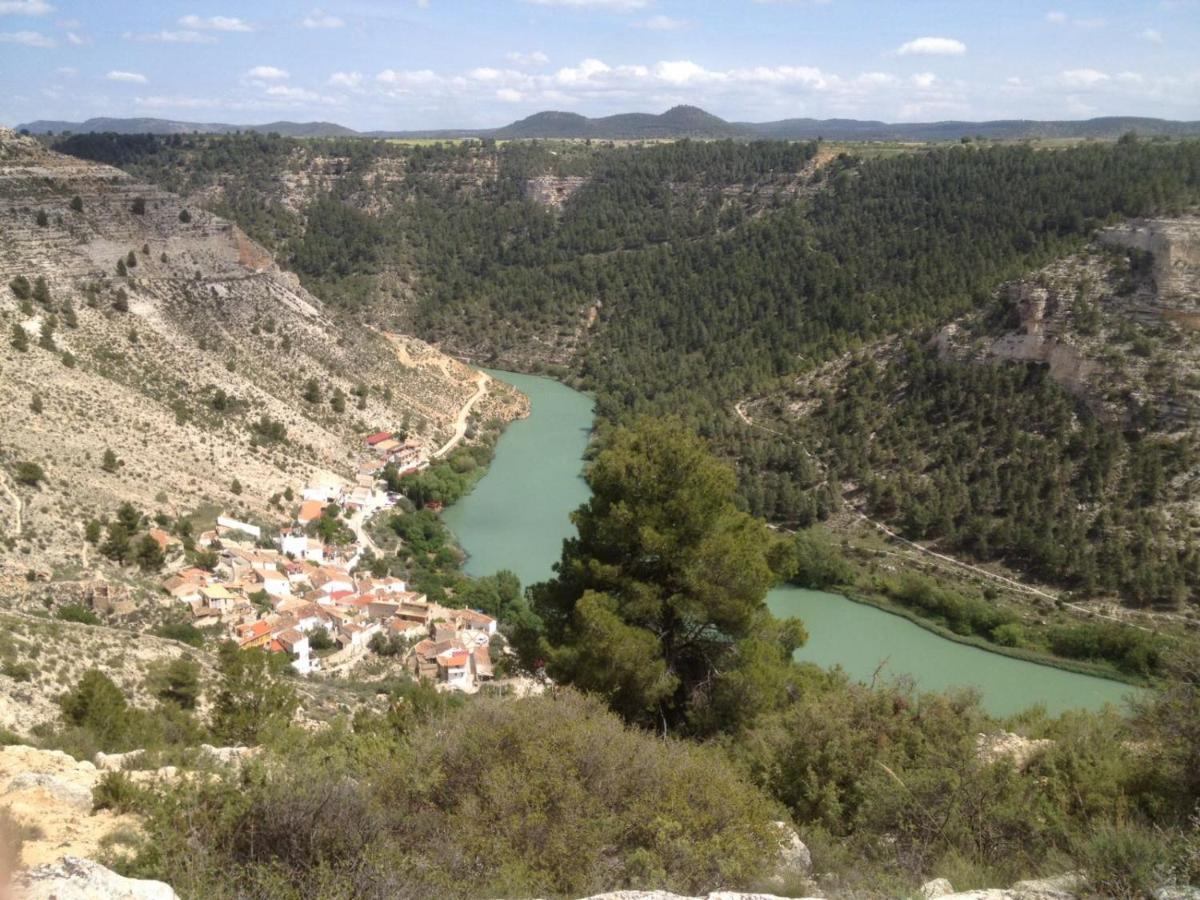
(686, 277)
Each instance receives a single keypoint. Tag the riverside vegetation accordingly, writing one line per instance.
(557, 795)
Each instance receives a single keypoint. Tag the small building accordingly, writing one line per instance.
(296, 645)
(454, 668)
(378, 438)
(310, 511)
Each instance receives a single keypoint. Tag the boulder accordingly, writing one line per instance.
(990, 748)
(76, 796)
(1061, 887)
(939, 887)
(794, 858)
(228, 755)
(115, 762)
(72, 878)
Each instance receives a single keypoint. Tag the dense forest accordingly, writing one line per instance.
(711, 271)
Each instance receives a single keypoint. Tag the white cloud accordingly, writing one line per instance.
(924, 79)
(932, 46)
(75, 40)
(402, 81)
(1130, 78)
(509, 95)
(215, 23)
(166, 102)
(318, 19)
(1153, 35)
(171, 37)
(267, 73)
(66, 71)
(130, 77)
(612, 5)
(25, 8)
(296, 95)
(664, 23)
(536, 58)
(1081, 78)
(28, 38)
(1061, 18)
(422, 4)
(352, 80)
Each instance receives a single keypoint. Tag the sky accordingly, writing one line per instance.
(418, 64)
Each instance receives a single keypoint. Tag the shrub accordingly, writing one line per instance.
(185, 216)
(74, 612)
(20, 287)
(117, 792)
(533, 797)
(29, 474)
(77, 204)
(138, 207)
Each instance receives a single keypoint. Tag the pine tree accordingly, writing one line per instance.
(20, 338)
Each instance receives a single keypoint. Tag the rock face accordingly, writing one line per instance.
(73, 878)
(59, 789)
(1175, 245)
(52, 793)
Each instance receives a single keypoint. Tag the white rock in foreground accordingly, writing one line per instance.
(939, 887)
(73, 878)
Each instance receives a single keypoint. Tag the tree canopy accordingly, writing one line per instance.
(659, 603)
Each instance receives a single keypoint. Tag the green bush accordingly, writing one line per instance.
(117, 792)
(74, 612)
(534, 797)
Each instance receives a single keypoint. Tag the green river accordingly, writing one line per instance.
(518, 515)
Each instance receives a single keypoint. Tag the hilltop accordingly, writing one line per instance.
(677, 122)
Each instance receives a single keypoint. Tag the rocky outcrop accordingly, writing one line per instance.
(51, 793)
(115, 762)
(76, 796)
(229, 756)
(73, 878)
(1021, 751)
(553, 191)
(1175, 246)
(938, 887)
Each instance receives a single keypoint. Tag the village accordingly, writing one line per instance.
(293, 592)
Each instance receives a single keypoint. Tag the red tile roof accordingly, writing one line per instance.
(378, 437)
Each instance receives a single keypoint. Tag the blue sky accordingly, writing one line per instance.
(442, 63)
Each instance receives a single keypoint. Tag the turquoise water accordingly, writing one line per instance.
(519, 514)
(863, 639)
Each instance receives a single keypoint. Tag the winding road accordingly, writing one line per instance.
(460, 424)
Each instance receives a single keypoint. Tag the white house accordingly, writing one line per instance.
(358, 634)
(296, 644)
(276, 583)
(454, 668)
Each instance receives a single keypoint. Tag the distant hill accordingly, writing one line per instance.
(677, 122)
(170, 126)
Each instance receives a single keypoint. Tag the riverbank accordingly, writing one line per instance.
(1079, 667)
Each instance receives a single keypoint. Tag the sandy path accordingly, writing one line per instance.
(460, 423)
